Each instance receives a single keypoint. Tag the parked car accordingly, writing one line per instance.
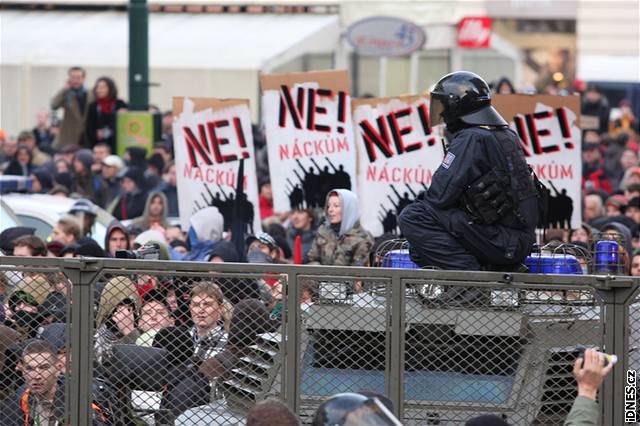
(43, 211)
(8, 218)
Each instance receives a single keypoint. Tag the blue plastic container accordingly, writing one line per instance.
(607, 257)
(556, 263)
(400, 259)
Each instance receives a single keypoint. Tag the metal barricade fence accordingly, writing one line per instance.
(158, 343)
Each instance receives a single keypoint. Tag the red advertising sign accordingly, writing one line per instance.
(474, 32)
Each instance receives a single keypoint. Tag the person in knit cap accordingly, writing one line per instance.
(616, 205)
(85, 183)
(130, 203)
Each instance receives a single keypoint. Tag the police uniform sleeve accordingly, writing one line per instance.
(460, 166)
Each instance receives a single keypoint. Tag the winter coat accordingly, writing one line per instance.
(72, 125)
(348, 246)
(307, 240)
(129, 206)
(97, 120)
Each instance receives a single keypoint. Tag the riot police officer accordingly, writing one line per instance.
(481, 209)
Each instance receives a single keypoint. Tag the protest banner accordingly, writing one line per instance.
(210, 136)
(134, 129)
(549, 131)
(307, 118)
(398, 152)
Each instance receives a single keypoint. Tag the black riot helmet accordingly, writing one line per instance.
(353, 409)
(463, 96)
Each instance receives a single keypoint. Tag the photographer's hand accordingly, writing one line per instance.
(589, 372)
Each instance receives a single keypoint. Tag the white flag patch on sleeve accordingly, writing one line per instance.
(448, 159)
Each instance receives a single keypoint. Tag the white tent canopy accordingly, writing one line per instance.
(180, 40)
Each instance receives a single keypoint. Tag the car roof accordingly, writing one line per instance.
(46, 207)
(38, 202)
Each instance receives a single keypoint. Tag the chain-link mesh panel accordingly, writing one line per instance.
(345, 323)
(184, 349)
(482, 350)
(34, 365)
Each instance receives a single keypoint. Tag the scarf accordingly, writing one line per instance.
(106, 106)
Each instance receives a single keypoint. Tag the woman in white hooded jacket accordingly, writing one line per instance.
(340, 240)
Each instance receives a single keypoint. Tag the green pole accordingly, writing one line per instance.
(138, 55)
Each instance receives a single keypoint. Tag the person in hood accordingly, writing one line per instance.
(41, 180)
(341, 240)
(206, 227)
(155, 213)
(24, 302)
(117, 316)
(136, 157)
(116, 238)
(85, 182)
(130, 203)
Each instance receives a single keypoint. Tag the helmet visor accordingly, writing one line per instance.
(372, 413)
(436, 109)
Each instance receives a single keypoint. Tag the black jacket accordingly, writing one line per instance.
(443, 233)
(97, 120)
(130, 206)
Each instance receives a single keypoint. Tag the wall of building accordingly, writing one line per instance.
(28, 89)
(608, 37)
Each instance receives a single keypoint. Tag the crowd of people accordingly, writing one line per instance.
(204, 326)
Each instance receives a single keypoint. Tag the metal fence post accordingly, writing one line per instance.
(396, 353)
(616, 341)
(291, 360)
(81, 274)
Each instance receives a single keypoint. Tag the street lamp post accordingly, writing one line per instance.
(138, 55)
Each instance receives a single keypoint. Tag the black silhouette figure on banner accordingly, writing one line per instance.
(325, 180)
(225, 204)
(403, 201)
(310, 185)
(560, 209)
(340, 178)
(313, 187)
(389, 221)
(215, 201)
(296, 196)
(389, 217)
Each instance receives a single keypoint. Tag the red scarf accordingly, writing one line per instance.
(106, 106)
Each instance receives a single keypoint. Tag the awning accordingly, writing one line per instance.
(180, 40)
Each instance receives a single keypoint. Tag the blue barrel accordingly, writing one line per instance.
(607, 257)
(400, 259)
(556, 263)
